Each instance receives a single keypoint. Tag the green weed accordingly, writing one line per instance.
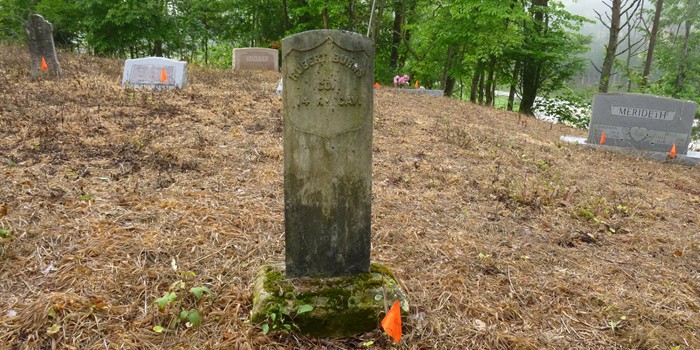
(181, 305)
(279, 318)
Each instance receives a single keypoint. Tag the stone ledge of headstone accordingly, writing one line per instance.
(424, 92)
(692, 158)
(342, 306)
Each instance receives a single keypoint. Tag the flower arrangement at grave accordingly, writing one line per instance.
(399, 81)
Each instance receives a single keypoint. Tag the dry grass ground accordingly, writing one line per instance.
(502, 236)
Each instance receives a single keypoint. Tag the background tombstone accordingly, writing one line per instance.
(255, 58)
(327, 99)
(40, 41)
(148, 72)
(642, 122)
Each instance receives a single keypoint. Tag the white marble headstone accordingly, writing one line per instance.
(148, 72)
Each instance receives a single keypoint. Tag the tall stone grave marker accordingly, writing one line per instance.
(255, 58)
(155, 72)
(41, 47)
(639, 121)
(327, 100)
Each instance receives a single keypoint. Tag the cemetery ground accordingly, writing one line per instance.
(502, 236)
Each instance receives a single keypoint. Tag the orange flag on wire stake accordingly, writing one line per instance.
(672, 154)
(417, 84)
(163, 76)
(376, 85)
(44, 67)
(392, 322)
(602, 138)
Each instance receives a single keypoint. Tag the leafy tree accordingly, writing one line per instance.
(13, 16)
(551, 52)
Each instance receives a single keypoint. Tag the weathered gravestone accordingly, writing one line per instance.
(328, 103)
(327, 99)
(255, 58)
(643, 122)
(155, 72)
(41, 47)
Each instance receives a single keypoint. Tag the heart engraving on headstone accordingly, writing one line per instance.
(638, 134)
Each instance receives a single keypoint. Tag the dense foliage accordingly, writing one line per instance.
(465, 47)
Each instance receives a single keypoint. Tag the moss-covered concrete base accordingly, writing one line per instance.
(342, 306)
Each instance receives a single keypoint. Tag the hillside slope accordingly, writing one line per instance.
(503, 236)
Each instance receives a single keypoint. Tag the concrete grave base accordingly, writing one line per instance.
(342, 306)
(424, 92)
(691, 158)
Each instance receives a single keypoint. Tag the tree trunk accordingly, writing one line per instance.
(396, 34)
(680, 79)
(206, 50)
(285, 14)
(158, 48)
(351, 15)
(513, 86)
(481, 87)
(449, 86)
(490, 84)
(378, 19)
(475, 82)
(652, 43)
(325, 18)
(611, 48)
(532, 68)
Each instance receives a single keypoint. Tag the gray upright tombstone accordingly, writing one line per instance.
(41, 46)
(327, 99)
(643, 122)
(255, 58)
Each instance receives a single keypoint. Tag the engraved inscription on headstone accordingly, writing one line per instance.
(642, 121)
(155, 72)
(41, 47)
(255, 58)
(327, 97)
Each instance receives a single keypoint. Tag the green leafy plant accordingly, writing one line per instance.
(181, 305)
(279, 318)
(6, 236)
(617, 324)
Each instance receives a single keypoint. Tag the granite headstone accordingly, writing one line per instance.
(642, 122)
(255, 58)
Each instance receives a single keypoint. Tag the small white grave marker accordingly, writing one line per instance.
(154, 72)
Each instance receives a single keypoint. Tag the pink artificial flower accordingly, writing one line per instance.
(396, 80)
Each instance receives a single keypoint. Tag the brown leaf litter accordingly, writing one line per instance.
(503, 236)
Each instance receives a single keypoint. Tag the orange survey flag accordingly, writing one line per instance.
(672, 154)
(163, 76)
(44, 67)
(376, 85)
(392, 322)
(602, 138)
(417, 84)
